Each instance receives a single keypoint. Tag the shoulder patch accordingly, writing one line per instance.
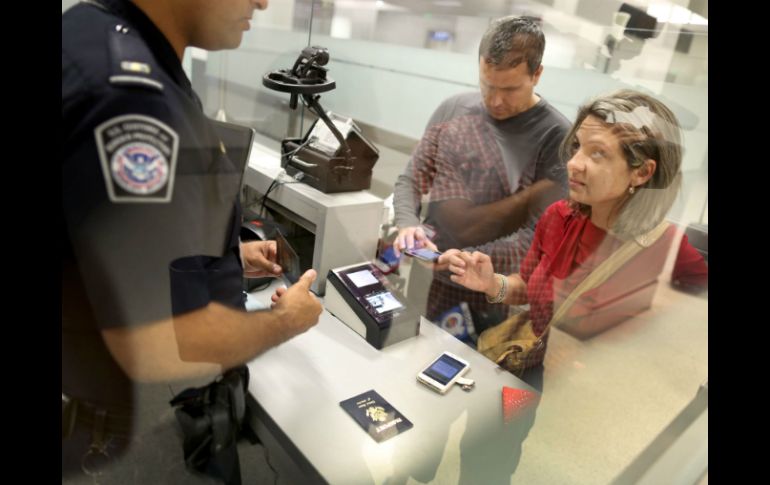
(138, 157)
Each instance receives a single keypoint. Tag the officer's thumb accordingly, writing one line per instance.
(307, 278)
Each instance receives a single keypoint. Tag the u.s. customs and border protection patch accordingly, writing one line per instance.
(138, 157)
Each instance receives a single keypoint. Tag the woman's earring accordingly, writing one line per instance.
(631, 189)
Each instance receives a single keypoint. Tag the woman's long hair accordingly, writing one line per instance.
(646, 129)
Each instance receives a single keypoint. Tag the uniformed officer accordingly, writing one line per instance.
(151, 261)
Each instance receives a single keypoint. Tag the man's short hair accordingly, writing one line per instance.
(509, 41)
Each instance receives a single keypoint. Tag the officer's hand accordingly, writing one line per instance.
(259, 259)
(298, 308)
(411, 237)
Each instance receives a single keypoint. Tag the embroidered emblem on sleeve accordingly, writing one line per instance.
(138, 157)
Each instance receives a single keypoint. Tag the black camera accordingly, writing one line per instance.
(308, 66)
(324, 158)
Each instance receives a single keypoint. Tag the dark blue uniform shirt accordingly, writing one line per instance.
(149, 197)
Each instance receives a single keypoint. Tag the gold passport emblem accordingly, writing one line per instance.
(135, 67)
(376, 413)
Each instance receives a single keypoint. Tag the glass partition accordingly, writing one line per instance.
(607, 397)
(394, 62)
(610, 393)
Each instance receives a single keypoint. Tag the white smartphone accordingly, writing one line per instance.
(443, 372)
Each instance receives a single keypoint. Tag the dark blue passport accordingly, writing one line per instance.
(376, 415)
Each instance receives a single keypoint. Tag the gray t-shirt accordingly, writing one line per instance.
(526, 145)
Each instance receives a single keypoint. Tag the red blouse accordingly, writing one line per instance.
(567, 247)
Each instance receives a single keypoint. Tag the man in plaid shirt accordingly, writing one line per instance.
(489, 162)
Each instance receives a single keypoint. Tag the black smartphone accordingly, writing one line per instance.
(424, 254)
(287, 258)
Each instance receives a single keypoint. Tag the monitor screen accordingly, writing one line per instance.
(237, 140)
(371, 289)
(384, 302)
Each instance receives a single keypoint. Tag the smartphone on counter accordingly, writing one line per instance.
(443, 372)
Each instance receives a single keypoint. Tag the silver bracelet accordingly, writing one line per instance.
(500, 296)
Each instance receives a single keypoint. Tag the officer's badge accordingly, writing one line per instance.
(138, 157)
(135, 67)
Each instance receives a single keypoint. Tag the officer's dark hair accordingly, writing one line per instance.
(509, 41)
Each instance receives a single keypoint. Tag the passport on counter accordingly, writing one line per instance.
(376, 415)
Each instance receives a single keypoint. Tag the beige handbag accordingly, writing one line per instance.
(513, 344)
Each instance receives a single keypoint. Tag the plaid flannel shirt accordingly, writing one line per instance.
(461, 159)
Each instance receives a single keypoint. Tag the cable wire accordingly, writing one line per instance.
(273, 185)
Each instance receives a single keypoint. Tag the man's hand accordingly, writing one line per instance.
(541, 194)
(298, 308)
(469, 224)
(411, 237)
(259, 259)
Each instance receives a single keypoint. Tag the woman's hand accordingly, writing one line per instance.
(442, 263)
(472, 270)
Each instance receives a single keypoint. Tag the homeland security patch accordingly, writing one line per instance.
(138, 156)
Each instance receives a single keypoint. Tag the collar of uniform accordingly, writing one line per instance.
(156, 41)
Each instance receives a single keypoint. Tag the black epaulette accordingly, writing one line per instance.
(132, 62)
